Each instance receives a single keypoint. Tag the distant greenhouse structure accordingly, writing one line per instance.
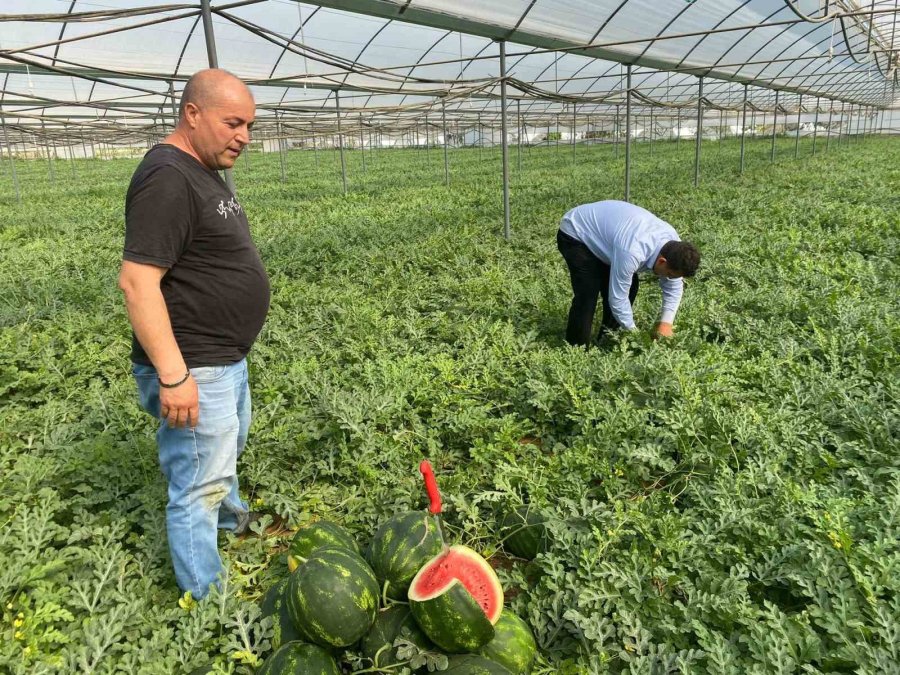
(367, 75)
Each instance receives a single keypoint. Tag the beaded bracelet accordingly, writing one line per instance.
(175, 384)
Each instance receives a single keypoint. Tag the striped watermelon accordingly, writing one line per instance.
(400, 547)
(389, 625)
(320, 534)
(298, 658)
(470, 664)
(524, 532)
(513, 645)
(274, 605)
(456, 598)
(332, 597)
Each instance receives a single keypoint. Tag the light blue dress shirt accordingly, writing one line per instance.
(628, 239)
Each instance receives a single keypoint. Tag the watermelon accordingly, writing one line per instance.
(513, 645)
(456, 599)
(320, 534)
(299, 658)
(400, 547)
(378, 645)
(332, 598)
(470, 664)
(274, 605)
(524, 532)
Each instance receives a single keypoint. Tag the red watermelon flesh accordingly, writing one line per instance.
(460, 565)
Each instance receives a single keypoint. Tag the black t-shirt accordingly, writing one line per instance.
(181, 216)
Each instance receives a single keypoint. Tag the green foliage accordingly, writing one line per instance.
(727, 502)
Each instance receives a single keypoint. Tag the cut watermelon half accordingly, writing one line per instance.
(460, 565)
(456, 599)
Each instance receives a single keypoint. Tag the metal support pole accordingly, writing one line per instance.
(72, 160)
(280, 147)
(337, 108)
(519, 135)
(743, 127)
(174, 108)
(699, 133)
(49, 159)
(719, 135)
(316, 152)
(678, 134)
(815, 126)
(830, 121)
(446, 151)
(480, 138)
(213, 63)
(651, 132)
(616, 133)
(12, 162)
(503, 142)
(574, 127)
(852, 117)
(362, 143)
(558, 133)
(841, 125)
(628, 133)
(797, 140)
(774, 128)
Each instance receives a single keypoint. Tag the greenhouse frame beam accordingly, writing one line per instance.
(434, 19)
(213, 58)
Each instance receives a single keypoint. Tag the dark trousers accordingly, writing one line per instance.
(590, 278)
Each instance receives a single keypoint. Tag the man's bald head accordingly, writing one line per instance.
(208, 87)
(217, 114)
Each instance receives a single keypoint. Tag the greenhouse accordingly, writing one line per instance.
(724, 499)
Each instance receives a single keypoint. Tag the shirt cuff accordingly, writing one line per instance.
(667, 316)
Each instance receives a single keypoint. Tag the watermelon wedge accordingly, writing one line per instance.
(456, 598)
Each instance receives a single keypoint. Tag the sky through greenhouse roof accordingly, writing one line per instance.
(92, 66)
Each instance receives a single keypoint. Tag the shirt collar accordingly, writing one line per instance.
(648, 264)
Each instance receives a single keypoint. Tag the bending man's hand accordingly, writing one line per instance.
(662, 329)
(180, 405)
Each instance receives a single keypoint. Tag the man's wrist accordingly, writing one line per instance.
(172, 373)
(172, 384)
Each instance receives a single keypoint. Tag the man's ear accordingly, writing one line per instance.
(191, 112)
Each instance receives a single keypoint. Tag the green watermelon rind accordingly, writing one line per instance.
(318, 535)
(399, 549)
(472, 664)
(274, 605)
(333, 597)
(523, 531)
(454, 620)
(388, 626)
(513, 645)
(299, 658)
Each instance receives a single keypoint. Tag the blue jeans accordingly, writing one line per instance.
(200, 465)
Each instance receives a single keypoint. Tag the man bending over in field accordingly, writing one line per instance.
(197, 296)
(606, 245)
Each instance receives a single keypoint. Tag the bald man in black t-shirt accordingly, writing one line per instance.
(197, 296)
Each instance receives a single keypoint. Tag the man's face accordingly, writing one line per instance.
(221, 128)
(662, 269)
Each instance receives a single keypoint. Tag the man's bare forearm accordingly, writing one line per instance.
(149, 319)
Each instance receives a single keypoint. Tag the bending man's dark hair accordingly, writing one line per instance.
(682, 257)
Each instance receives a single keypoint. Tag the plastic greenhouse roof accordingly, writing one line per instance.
(91, 66)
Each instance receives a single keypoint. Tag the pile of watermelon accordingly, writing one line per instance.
(408, 588)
